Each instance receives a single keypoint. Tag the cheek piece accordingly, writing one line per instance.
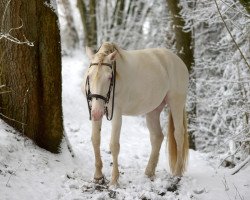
(106, 99)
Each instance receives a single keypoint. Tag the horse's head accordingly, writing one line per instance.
(99, 81)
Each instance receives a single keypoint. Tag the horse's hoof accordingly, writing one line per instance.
(113, 185)
(150, 174)
(100, 181)
(177, 174)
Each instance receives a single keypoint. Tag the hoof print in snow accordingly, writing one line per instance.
(69, 176)
(161, 193)
(74, 186)
(100, 188)
(144, 198)
(112, 194)
(173, 187)
(199, 190)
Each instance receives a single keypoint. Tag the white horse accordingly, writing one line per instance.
(120, 82)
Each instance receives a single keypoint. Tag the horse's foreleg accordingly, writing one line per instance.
(156, 137)
(96, 140)
(115, 147)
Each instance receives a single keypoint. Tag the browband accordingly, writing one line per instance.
(106, 64)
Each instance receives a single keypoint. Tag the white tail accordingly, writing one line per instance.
(172, 147)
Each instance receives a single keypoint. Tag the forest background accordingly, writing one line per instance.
(212, 38)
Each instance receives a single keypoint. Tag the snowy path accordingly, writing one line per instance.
(28, 172)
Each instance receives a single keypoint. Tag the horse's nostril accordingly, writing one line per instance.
(97, 114)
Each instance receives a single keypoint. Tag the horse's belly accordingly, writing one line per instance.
(139, 109)
(144, 97)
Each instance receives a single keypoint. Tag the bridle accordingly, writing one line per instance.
(106, 99)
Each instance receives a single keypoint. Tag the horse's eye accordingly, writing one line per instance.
(110, 77)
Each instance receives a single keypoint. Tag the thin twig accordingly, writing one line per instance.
(237, 192)
(69, 146)
(17, 28)
(237, 10)
(224, 182)
(7, 184)
(7, 35)
(241, 166)
(15, 40)
(24, 106)
(11, 119)
(5, 92)
(217, 6)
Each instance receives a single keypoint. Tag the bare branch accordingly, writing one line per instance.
(243, 164)
(6, 117)
(242, 55)
(8, 36)
(13, 172)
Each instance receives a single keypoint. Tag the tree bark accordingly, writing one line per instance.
(32, 74)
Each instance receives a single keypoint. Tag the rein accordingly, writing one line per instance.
(106, 99)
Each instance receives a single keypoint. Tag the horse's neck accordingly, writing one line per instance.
(124, 66)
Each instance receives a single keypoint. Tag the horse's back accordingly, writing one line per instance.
(163, 59)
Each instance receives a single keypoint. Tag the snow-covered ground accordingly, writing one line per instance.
(29, 172)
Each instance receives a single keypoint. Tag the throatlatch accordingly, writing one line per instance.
(90, 96)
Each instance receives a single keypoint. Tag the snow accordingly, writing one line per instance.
(29, 172)
(52, 5)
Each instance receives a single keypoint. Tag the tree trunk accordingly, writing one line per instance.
(184, 47)
(117, 19)
(32, 74)
(89, 22)
(118, 12)
(183, 41)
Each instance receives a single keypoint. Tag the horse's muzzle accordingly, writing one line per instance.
(97, 115)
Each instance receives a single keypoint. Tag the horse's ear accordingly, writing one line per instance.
(89, 53)
(112, 56)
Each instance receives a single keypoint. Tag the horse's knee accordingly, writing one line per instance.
(156, 139)
(160, 137)
(179, 134)
(114, 147)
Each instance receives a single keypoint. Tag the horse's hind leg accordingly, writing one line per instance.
(156, 138)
